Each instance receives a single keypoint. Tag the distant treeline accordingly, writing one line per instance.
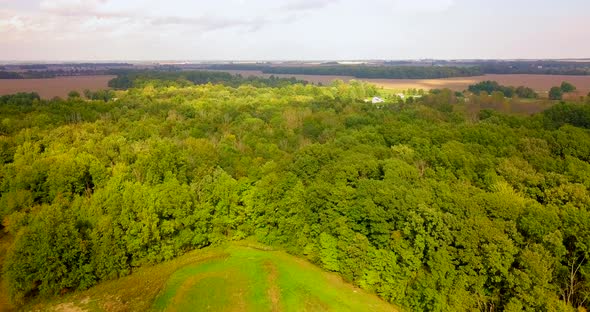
(362, 71)
(69, 65)
(39, 74)
(534, 67)
(133, 79)
(10, 75)
(422, 70)
(508, 91)
(19, 99)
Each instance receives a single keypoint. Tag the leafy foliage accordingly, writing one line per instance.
(493, 86)
(136, 78)
(567, 87)
(555, 93)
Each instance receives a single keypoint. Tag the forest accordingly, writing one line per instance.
(423, 69)
(425, 204)
(362, 71)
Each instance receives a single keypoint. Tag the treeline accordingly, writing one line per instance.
(19, 99)
(423, 70)
(425, 207)
(42, 74)
(508, 91)
(535, 67)
(577, 68)
(10, 75)
(131, 79)
(361, 71)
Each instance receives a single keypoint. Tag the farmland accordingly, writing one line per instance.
(51, 87)
(540, 83)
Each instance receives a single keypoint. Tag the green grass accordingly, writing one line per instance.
(254, 280)
(237, 277)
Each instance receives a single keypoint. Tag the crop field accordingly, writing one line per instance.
(238, 277)
(52, 87)
(540, 83)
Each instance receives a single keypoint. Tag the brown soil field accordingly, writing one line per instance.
(540, 83)
(52, 87)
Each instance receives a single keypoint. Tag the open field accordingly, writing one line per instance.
(52, 87)
(238, 277)
(540, 83)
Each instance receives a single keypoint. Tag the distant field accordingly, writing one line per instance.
(239, 277)
(540, 83)
(52, 87)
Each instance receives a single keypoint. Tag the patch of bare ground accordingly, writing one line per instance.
(273, 292)
(238, 302)
(68, 307)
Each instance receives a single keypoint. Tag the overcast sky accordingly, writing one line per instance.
(292, 29)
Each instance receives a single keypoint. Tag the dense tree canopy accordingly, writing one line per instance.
(139, 78)
(421, 204)
(493, 86)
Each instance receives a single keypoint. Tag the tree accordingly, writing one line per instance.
(567, 87)
(555, 93)
(526, 93)
(74, 94)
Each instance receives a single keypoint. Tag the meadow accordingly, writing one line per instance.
(240, 276)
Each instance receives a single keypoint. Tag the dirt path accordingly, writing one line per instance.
(273, 292)
(237, 299)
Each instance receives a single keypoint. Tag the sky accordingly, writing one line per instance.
(137, 30)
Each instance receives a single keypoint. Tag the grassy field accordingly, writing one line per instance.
(237, 277)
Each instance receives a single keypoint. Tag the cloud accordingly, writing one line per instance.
(419, 5)
(208, 23)
(71, 7)
(74, 20)
(304, 5)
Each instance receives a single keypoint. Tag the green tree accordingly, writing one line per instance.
(73, 95)
(567, 87)
(555, 93)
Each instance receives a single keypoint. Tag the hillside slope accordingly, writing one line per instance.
(231, 278)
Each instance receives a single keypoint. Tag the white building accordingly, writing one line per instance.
(377, 99)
